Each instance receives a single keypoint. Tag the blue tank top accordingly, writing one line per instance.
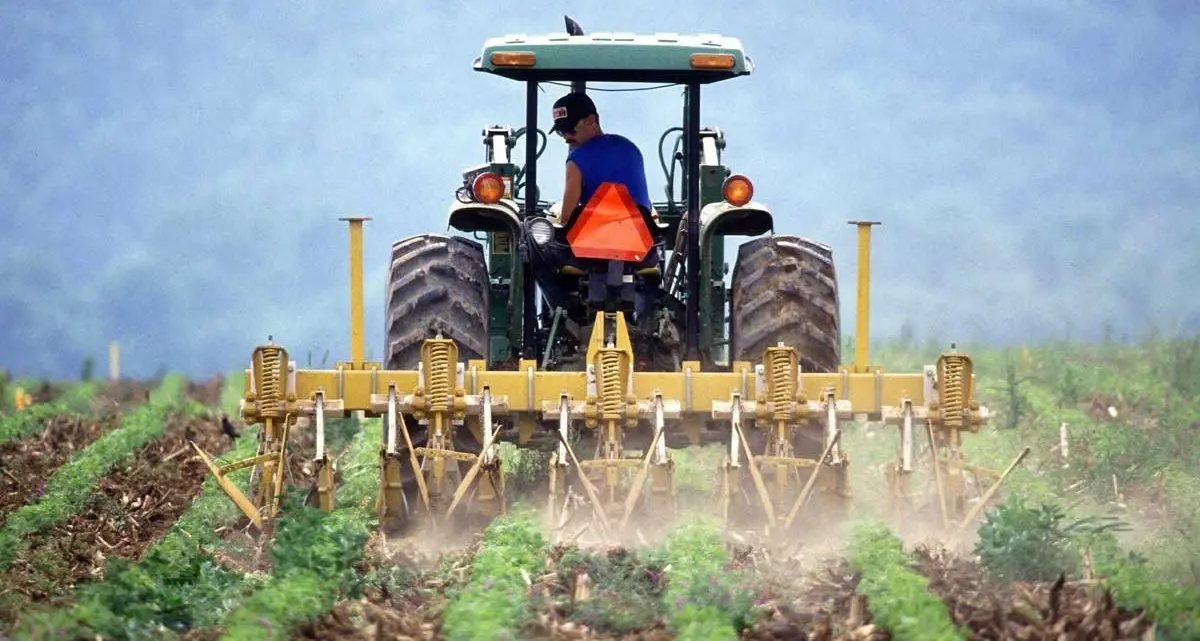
(611, 158)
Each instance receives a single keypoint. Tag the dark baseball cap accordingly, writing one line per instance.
(569, 109)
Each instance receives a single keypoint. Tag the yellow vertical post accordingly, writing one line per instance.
(862, 331)
(356, 292)
(114, 361)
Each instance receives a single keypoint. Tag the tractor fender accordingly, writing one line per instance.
(471, 217)
(751, 219)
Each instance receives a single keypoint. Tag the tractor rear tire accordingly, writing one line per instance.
(785, 289)
(436, 283)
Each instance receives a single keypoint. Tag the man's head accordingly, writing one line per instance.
(575, 119)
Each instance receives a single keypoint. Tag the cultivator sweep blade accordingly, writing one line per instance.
(948, 411)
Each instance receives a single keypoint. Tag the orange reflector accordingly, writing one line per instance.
(712, 61)
(488, 188)
(513, 59)
(610, 227)
(737, 190)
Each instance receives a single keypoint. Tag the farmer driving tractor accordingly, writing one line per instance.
(594, 159)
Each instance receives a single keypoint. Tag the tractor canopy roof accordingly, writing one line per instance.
(615, 57)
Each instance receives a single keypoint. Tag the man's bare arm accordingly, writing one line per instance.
(571, 191)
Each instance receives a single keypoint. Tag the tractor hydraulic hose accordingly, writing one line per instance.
(519, 175)
(669, 173)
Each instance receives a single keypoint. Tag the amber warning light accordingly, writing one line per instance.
(488, 188)
(737, 190)
(610, 227)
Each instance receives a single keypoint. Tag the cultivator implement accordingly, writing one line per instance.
(941, 421)
(768, 488)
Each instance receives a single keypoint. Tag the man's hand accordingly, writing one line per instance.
(572, 188)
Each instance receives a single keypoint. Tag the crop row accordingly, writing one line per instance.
(71, 484)
(898, 595)
(494, 603)
(701, 598)
(176, 585)
(315, 556)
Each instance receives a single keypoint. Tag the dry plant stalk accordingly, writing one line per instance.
(582, 590)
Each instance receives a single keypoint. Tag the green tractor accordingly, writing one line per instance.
(478, 290)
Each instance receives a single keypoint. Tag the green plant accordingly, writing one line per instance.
(1070, 386)
(1019, 542)
(70, 485)
(495, 604)
(316, 555)
(1175, 608)
(703, 600)
(176, 584)
(1015, 402)
(1181, 368)
(625, 593)
(897, 595)
(315, 560)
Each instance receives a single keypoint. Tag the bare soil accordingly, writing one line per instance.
(131, 508)
(1061, 610)
(25, 464)
(813, 600)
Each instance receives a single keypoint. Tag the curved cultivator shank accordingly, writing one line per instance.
(759, 411)
(949, 479)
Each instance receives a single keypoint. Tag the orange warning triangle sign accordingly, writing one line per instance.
(611, 227)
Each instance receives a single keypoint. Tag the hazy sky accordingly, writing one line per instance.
(171, 174)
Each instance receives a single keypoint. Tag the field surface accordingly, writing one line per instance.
(110, 527)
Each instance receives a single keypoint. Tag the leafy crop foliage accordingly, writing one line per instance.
(626, 589)
(1175, 608)
(495, 605)
(69, 487)
(315, 555)
(1139, 459)
(703, 600)
(315, 559)
(1022, 543)
(897, 595)
(177, 585)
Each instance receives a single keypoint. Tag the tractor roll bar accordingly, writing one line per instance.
(691, 127)
(528, 285)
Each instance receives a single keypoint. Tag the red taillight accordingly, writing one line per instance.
(611, 227)
(488, 188)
